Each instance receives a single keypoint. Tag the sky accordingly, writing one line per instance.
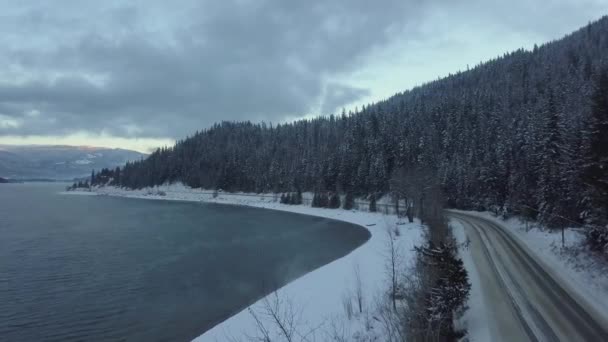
(141, 74)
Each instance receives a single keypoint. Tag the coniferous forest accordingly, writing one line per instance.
(525, 133)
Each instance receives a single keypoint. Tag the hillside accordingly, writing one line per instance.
(525, 132)
(59, 162)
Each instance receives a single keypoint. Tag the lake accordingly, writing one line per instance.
(93, 268)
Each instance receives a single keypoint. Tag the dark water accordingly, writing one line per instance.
(83, 268)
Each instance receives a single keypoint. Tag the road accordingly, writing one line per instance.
(526, 299)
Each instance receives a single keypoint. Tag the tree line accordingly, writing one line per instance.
(525, 133)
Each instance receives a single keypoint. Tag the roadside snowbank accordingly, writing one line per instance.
(317, 299)
(475, 318)
(583, 273)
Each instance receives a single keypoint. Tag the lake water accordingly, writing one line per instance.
(91, 268)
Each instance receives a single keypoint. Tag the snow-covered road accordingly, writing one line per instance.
(526, 299)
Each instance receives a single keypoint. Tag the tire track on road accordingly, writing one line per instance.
(555, 313)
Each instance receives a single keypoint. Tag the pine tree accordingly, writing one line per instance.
(595, 169)
(334, 201)
(550, 155)
(323, 200)
(450, 289)
(315, 200)
(116, 177)
(349, 201)
(372, 203)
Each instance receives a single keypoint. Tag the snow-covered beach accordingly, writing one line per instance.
(316, 300)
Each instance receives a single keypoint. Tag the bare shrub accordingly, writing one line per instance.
(278, 319)
(347, 305)
(358, 287)
(282, 315)
(337, 331)
(396, 231)
(408, 184)
(368, 321)
(389, 319)
(393, 262)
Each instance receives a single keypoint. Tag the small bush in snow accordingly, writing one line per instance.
(291, 198)
(396, 231)
(597, 239)
(334, 201)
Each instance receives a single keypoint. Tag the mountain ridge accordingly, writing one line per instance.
(59, 162)
(512, 134)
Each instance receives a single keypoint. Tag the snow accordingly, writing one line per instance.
(79, 193)
(584, 275)
(318, 296)
(475, 319)
(83, 162)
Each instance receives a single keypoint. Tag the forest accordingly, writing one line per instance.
(525, 133)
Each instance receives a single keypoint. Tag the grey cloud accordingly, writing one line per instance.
(228, 60)
(543, 19)
(338, 94)
(155, 69)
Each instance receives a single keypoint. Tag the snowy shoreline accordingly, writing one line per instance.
(319, 294)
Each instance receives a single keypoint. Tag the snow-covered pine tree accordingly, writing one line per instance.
(550, 186)
(595, 168)
(482, 131)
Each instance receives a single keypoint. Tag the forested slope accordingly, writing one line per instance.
(525, 130)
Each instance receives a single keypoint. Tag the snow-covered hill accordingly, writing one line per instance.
(59, 162)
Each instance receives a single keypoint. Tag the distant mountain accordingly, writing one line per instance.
(3, 180)
(59, 162)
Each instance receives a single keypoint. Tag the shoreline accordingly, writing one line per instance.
(318, 294)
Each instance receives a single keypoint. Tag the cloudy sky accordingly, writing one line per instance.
(140, 74)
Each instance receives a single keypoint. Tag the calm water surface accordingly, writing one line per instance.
(95, 268)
